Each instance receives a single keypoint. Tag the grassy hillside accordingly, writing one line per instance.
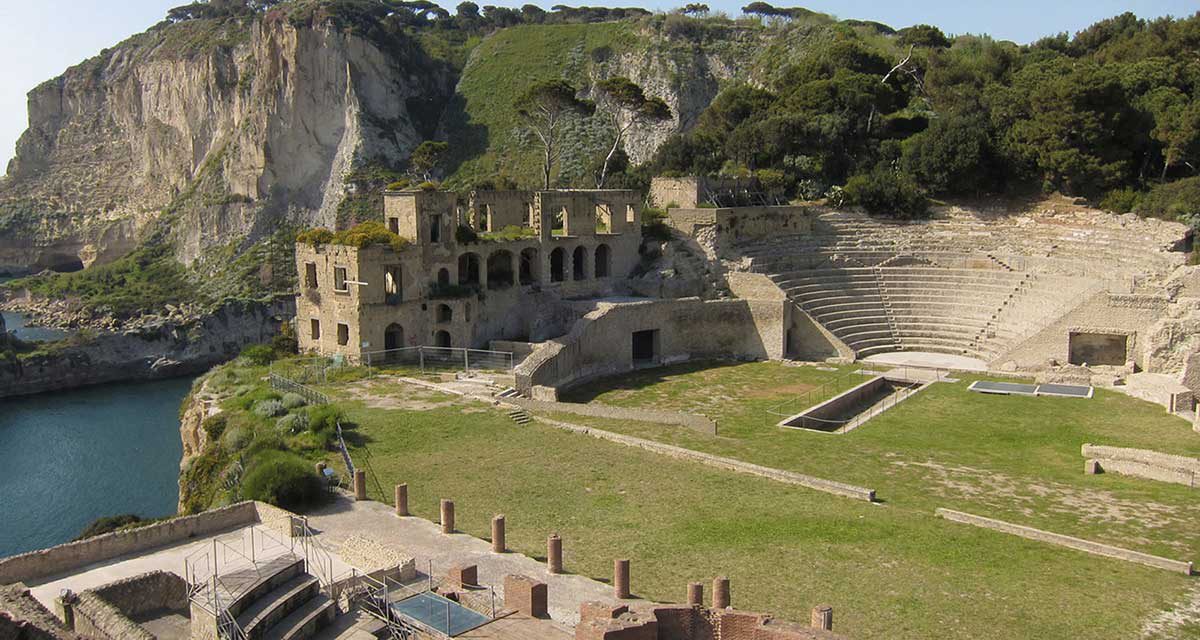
(483, 129)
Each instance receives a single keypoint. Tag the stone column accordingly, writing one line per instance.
(498, 534)
(695, 593)
(447, 516)
(360, 484)
(621, 579)
(720, 594)
(402, 499)
(822, 617)
(554, 554)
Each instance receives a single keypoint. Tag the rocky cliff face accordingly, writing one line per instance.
(234, 126)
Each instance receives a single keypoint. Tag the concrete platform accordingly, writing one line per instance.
(926, 360)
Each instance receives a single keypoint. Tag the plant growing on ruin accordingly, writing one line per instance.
(426, 159)
(626, 106)
(544, 109)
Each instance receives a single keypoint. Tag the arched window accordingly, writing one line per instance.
(500, 269)
(558, 271)
(579, 263)
(442, 339)
(603, 261)
(443, 277)
(445, 313)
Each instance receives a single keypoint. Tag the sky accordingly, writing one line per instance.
(40, 39)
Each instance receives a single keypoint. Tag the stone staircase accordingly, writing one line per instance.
(274, 600)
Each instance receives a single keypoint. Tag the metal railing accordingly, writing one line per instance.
(826, 425)
(426, 358)
(796, 404)
(282, 383)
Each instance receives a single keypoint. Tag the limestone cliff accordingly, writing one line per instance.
(231, 125)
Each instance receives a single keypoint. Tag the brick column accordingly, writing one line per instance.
(554, 554)
(498, 534)
(402, 499)
(695, 593)
(447, 516)
(720, 594)
(526, 595)
(621, 579)
(360, 484)
(822, 617)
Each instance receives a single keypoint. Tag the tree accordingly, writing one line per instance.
(627, 106)
(923, 35)
(426, 159)
(696, 9)
(544, 107)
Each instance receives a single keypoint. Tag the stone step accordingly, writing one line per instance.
(277, 604)
(305, 621)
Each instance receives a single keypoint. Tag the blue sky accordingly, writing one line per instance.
(38, 40)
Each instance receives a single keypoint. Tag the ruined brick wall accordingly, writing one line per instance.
(720, 229)
(1143, 463)
(146, 592)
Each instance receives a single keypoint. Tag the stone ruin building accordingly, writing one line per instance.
(563, 280)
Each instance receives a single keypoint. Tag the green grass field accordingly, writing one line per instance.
(890, 570)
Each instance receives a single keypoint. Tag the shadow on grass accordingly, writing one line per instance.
(642, 378)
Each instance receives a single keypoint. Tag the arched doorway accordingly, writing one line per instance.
(603, 261)
(557, 268)
(468, 269)
(442, 339)
(529, 266)
(500, 269)
(443, 277)
(579, 263)
(393, 337)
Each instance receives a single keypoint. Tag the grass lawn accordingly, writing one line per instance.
(890, 570)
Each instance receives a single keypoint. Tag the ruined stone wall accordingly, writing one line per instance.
(602, 344)
(675, 192)
(596, 410)
(1143, 463)
(30, 566)
(1103, 313)
(495, 210)
(722, 228)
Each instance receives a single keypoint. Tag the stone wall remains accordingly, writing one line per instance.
(108, 611)
(729, 226)
(30, 566)
(596, 410)
(1079, 544)
(1144, 463)
(601, 343)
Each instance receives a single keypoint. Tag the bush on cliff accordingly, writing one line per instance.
(282, 479)
(108, 524)
(885, 192)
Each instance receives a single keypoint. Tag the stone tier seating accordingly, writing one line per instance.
(280, 601)
(979, 313)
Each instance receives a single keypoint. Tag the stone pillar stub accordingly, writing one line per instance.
(695, 593)
(498, 534)
(621, 579)
(360, 485)
(720, 592)
(554, 558)
(402, 499)
(447, 516)
(822, 617)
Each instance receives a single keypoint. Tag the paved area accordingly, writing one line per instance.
(927, 360)
(423, 540)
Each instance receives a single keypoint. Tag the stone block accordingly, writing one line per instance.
(465, 575)
(526, 595)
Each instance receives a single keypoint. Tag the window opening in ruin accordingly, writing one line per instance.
(645, 346)
(603, 218)
(529, 215)
(468, 269)
(443, 279)
(529, 266)
(393, 337)
(394, 225)
(315, 329)
(557, 268)
(310, 275)
(630, 215)
(339, 279)
(392, 284)
(442, 339)
(603, 261)
(445, 313)
(500, 270)
(435, 228)
(485, 218)
(579, 264)
(558, 226)
(343, 334)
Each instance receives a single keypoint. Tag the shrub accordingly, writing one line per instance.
(292, 423)
(1179, 200)
(292, 401)
(284, 344)
(236, 439)
(282, 479)
(214, 426)
(1121, 200)
(315, 237)
(429, 185)
(258, 355)
(253, 396)
(108, 524)
(323, 417)
(465, 235)
(399, 185)
(886, 192)
(269, 408)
